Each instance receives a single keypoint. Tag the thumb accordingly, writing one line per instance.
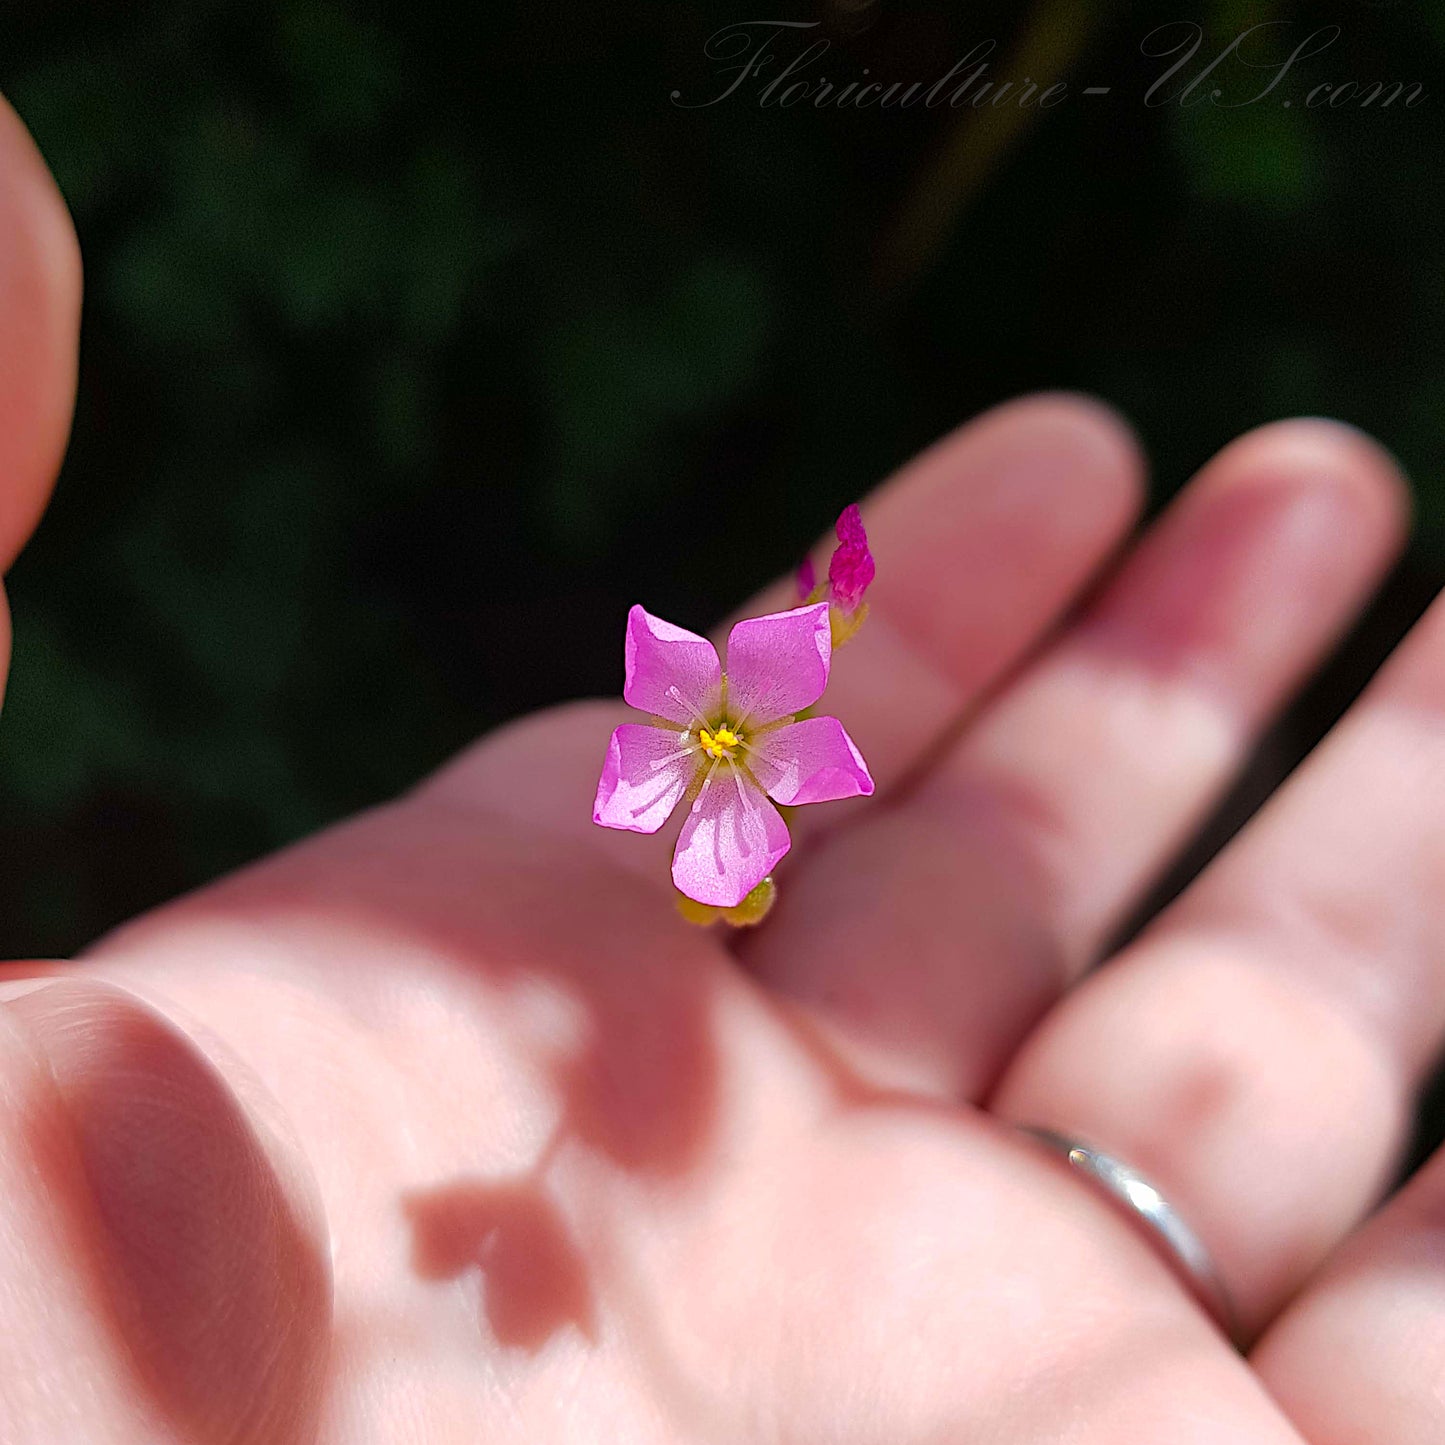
(177, 1237)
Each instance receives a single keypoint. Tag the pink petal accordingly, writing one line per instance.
(671, 672)
(646, 773)
(813, 761)
(731, 841)
(778, 664)
(851, 568)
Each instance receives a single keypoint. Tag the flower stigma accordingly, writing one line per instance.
(719, 744)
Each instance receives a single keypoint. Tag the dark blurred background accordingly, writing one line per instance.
(421, 340)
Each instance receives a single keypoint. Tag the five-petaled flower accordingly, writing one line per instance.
(730, 743)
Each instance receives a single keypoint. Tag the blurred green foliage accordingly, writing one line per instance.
(419, 343)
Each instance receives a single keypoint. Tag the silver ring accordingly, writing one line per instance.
(1173, 1240)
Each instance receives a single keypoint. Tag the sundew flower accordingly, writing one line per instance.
(729, 744)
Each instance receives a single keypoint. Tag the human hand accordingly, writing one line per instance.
(444, 1127)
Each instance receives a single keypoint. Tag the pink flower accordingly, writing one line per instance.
(730, 743)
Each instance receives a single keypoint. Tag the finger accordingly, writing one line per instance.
(982, 541)
(159, 1241)
(931, 936)
(1256, 1051)
(1359, 1357)
(39, 326)
(45, 1280)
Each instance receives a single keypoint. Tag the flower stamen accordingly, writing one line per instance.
(657, 764)
(706, 784)
(677, 695)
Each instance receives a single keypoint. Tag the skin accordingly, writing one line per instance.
(443, 1127)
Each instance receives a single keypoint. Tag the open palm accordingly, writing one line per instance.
(445, 1127)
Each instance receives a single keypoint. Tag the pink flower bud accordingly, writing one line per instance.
(851, 569)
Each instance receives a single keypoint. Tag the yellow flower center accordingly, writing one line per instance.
(718, 744)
